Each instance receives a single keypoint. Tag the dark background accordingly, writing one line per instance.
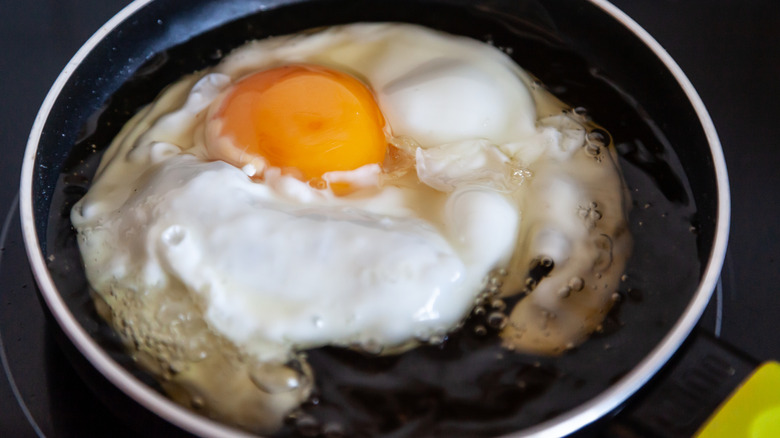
(729, 49)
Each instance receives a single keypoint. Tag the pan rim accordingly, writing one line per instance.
(566, 423)
(619, 392)
(87, 346)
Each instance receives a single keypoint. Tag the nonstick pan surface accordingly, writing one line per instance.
(668, 150)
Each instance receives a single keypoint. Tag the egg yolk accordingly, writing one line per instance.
(309, 118)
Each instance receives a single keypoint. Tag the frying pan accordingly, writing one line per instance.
(587, 53)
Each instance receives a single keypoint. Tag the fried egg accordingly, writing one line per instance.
(357, 186)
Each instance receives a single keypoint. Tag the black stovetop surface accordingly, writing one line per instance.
(730, 51)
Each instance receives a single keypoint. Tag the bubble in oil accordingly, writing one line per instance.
(490, 290)
(176, 366)
(370, 346)
(333, 430)
(595, 141)
(592, 150)
(598, 137)
(495, 279)
(497, 320)
(307, 425)
(275, 378)
(437, 339)
(498, 304)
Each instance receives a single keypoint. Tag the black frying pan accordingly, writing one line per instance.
(587, 53)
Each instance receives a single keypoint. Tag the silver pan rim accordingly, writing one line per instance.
(115, 373)
(619, 392)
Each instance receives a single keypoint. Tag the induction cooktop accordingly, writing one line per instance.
(729, 50)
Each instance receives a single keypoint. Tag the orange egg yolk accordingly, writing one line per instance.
(309, 118)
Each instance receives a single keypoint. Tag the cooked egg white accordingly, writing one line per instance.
(209, 255)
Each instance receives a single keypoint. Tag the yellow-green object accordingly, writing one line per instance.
(752, 410)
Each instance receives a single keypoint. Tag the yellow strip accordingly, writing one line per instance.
(752, 410)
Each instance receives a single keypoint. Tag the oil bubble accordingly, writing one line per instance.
(333, 430)
(592, 150)
(371, 346)
(497, 320)
(498, 305)
(437, 339)
(275, 378)
(598, 137)
(595, 141)
(307, 425)
(492, 289)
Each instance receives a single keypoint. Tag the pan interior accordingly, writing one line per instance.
(583, 56)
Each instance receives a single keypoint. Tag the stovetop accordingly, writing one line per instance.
(729, 50)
